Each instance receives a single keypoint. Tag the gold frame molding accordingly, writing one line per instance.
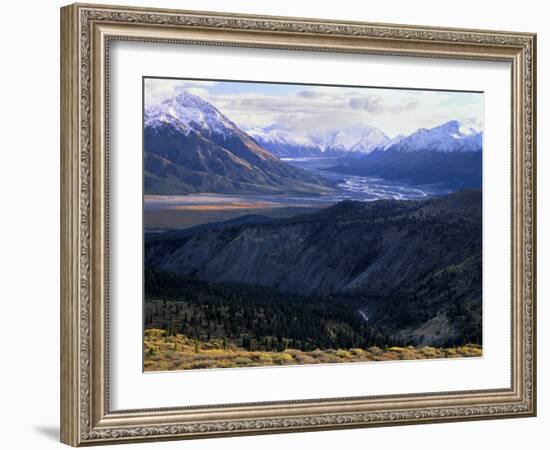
(86, 32)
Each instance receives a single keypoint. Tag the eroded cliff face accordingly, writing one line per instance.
(415, 265)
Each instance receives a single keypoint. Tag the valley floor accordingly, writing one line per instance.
(178, 352)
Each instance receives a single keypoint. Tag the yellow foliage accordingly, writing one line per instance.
(343, 354)
(181, 353)
(281, 357)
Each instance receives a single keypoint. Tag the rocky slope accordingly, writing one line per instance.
(415, 266)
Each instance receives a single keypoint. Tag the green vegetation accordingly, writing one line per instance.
(253, 317)
(414, 267)
(386, 275)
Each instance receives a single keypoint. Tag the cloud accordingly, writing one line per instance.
(303, 124)
(200, 91)
(159, 89)
(372, 104)
(310, 93)
(412, 104)
(306, 109)
(474, 122)
(377, 105)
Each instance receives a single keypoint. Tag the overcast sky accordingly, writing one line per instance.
(304, 109)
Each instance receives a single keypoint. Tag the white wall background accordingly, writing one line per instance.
(29, 224)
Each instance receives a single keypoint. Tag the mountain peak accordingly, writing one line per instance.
(359, 137)
(451, 124)
(283, 142)
(452, 127)
(189, 100)
(448, 137)
(456, 127)
(189, 112)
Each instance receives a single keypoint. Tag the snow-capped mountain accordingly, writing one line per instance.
(451, 136)
(449, 154)
(189, 112)
(283, 143)
(362, 139)
(396, 140)
(358, 139)
(190, 146)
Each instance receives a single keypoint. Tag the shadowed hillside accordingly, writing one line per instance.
(413, 268)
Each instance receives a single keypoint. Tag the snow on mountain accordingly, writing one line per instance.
(449, 137)
(190, 146)
(372, 138)
(396, 140)
(360, 138)
(278, 136)
(189, 112)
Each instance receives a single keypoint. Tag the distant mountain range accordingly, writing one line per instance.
(452, 136)
(355, 139)
(190, 146)
(362, 139)
(283, 144)
(449, 154)
(399, 260)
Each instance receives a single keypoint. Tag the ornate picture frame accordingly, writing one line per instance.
(87, 32)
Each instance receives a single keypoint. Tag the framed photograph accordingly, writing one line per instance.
(280, 224)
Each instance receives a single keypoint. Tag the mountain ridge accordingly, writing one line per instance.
(363, 139)
(190, 146)
(451, 136)
(378, 252)
(357, 139)
(449, 155)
